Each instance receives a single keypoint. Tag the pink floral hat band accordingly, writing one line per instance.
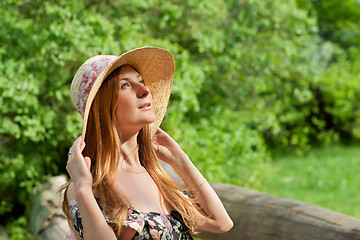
(91, 69)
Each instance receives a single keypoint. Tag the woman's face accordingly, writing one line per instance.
(134, 109)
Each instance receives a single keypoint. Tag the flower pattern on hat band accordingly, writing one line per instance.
(92, 69)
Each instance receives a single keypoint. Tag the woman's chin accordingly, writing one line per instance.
(152, 118)
(149, 121)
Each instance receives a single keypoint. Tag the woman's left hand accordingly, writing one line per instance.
(166, 147)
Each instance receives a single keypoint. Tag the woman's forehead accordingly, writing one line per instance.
(128, 70)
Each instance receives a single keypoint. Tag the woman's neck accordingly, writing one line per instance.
(129, 154)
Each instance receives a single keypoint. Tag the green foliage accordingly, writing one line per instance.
(339, 91)
(269, 73)
(17, 229)
(338, 21)
(249, 74)
(224, 152)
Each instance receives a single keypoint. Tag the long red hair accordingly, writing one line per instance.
(103, 148)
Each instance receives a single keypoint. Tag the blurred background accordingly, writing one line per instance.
(266, 93)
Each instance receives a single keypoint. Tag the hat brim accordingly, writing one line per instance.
(156, 66)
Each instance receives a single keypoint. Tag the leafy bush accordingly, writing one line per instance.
(249, 74)
(270, 71)
(43, 44)
(340, 96)
(224, 151)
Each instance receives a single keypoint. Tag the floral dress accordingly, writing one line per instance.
(148, 225)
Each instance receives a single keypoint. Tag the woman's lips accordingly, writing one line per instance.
(145, 106)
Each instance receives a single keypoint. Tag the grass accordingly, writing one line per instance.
(326, 176)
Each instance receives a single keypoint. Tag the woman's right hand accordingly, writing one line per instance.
(77, 166)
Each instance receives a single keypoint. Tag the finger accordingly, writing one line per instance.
(82, 146)
(154, 139)
(161, 133)
(87, 162)
(158, 131)
(156, 147)
(77, 144)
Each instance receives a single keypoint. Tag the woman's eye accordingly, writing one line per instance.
(124, 85)
(142, 82)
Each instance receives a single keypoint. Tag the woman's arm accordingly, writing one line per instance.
(78, 167)
(213, 212)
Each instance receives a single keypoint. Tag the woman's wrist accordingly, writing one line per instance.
(82, 188)
(180, 161)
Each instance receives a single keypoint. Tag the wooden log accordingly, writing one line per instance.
(47, 220)
(3, 233)
(256, 216)
(264, 217)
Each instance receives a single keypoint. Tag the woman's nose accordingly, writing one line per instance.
(143, 91)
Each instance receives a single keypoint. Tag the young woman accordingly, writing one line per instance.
(118, 188)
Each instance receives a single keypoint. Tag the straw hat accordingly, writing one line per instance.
(155, 65)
